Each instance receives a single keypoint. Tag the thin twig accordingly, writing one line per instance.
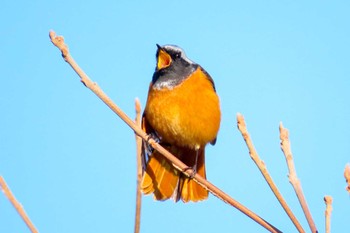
(328, 201)
(293, 179)
(347, 177)
(139, 168)
(58, 41)
(263, 169)
(20, 210)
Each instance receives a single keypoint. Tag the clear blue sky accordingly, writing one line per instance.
(71, 161)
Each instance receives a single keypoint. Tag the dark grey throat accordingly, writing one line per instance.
(173, 75)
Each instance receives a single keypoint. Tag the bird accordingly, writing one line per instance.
(183, 114)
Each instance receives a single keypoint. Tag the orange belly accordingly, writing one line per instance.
(187, 115)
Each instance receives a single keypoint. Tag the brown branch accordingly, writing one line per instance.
(139, 168)
(58, 41)
(347, 177)
(293, 179)
(328, 201)
(263, 169)
(20, 210)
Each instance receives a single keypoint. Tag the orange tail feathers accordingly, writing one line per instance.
(160, 177)
(188, 188)
(165, 181)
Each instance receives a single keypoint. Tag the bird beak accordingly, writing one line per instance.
(163, 58)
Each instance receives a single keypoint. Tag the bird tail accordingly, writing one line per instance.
(163, 180)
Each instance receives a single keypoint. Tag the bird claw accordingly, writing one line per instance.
(151, 136)
(193, 171)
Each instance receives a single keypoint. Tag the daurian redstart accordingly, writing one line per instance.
(183, 113)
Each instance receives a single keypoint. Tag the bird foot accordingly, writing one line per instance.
(193, 171)
(153, 136)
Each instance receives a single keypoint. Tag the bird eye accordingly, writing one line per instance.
(178, 54)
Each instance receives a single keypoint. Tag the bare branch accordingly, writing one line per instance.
(139, 168)
(293, 179)
(20, 210)
(347, 177)
(263, 169)
(176, 162)
(328, 201)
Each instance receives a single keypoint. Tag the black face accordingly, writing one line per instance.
(178, 69)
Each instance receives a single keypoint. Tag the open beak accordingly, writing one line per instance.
(163, 58)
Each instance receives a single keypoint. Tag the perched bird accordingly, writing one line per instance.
(183, 113)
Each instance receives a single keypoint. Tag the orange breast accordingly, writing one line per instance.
(187, 115)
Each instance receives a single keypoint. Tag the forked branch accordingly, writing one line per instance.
(263, 169)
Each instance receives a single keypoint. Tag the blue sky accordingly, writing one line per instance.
(71, 161)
